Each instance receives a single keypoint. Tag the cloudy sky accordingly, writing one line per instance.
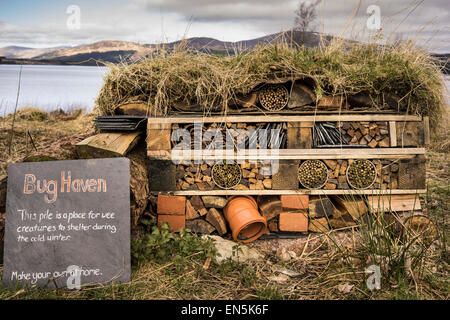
(45, 23)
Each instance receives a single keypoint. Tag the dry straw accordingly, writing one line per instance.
(212, 81)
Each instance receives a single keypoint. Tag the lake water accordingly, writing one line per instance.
(53, 87)
(50, 87)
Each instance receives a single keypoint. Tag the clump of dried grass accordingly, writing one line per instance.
(337, 67)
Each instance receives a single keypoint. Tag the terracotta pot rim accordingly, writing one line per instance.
(244, 216)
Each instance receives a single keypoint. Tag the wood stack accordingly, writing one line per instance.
(365, 133)
(387, 174)
(204, 214)
(388, 141)
(199, 177)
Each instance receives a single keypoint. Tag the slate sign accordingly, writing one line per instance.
(64, 217)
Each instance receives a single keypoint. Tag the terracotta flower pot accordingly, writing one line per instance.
(244, 219)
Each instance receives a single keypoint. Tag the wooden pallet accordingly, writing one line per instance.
(408, 136)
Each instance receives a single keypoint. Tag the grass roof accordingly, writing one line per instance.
(183, 76)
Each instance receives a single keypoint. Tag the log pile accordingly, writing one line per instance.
(200, 177)
(386, 178)
(204, 214)
(371, 134)
(293, 214)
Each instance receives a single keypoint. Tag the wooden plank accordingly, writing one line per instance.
(393, 133)
(287, 192)
(394, 203)
(426, 130)
(296, 154)
(287, 118)
(107, 145)
(302, 124)
(159, 154)
(299, 137)
(158, 136)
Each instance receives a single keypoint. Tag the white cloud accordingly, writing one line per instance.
(150, 21)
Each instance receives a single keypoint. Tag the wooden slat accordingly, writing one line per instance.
(107, 145)
(426, 132)
(158, 136)
(280, 192)
(287, 118)
(291, 154)
(393, 133)
(394, 203)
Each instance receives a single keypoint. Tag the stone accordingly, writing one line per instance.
(227, 249)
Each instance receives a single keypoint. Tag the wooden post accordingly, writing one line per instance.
(158, 136)
(426, 133)
(393, 133)
(106, 145)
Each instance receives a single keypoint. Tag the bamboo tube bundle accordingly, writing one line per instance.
(361, 174)
(313, 174)
(226, 176)
(273, 97)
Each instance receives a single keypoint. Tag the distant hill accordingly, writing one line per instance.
(115, 51)
(16, 52)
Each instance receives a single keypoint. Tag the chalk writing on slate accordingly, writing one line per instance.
(67, 219)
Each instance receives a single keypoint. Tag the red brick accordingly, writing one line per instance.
(175, 221)
(171, 205)
(294, 202)
(293, 221)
